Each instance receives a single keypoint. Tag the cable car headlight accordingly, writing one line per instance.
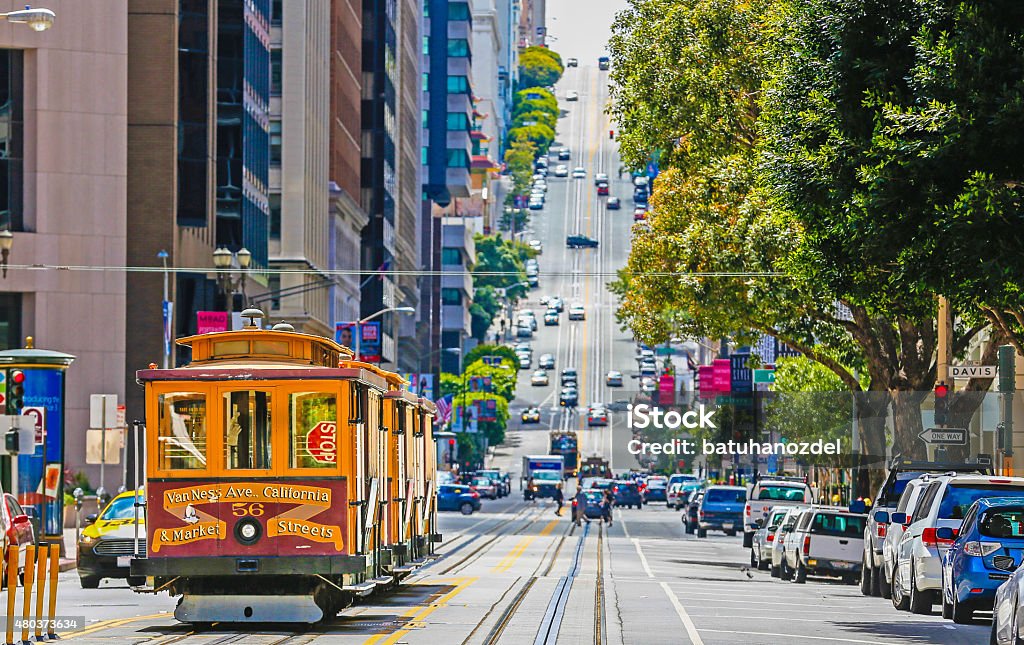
(248, 531)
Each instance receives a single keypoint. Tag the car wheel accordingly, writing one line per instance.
(785, 573)
(753, 560)
(899, 597)
(466, 508)
(702, 533)
(884, 586)
(748, 539)
(763, 565)
(876, 584)
(136, 581)
(776, 572)
(947, 608)
(801, 574)
(960, 614)
(865, 576)
(920, 601)
(90, 582)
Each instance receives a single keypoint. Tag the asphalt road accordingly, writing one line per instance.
(518, 573)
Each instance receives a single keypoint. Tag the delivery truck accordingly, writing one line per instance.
(542, 475)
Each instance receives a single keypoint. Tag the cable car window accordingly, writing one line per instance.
(247, 429)
(181, 436)
(313, 430)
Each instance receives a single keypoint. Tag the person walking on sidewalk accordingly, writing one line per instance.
(559, 499)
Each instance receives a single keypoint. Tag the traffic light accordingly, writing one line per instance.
(451, 451)
(16, 392)
(941, 403)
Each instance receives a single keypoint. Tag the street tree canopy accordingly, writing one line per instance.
(539, 67)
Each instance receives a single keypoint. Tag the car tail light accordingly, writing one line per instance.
(881, 529)
(700, 514)
(929, 539)
(1000, 481)
(475, 494)
(981, 549)
(770, 537)
(807, 544)
(746, 509)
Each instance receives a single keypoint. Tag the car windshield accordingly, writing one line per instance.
(725, 496)
(787, 493)
(959, 497)
(626, 488)
(839, 525)
(481, 481)
(1003, 523)
(120, 509)
(593, 497)
(547, 476)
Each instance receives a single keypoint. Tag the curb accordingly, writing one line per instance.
(67, 565)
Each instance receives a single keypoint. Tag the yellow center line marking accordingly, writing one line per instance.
(506, 563)
(108, 624)
(417, 614)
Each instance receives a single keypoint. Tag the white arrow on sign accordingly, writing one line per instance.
(972, 371)
(944, 436)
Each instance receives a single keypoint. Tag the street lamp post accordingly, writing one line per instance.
(37, 19)
(223, 259)
(359, 326)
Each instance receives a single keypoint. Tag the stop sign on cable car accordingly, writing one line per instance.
(322, 442)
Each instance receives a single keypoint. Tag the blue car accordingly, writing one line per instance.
(453, 497)
(984, 553)
(627, 494)
(721, 510)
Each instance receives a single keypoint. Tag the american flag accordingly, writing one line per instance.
(444, 408)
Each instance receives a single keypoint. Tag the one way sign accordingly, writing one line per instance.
(944, 436)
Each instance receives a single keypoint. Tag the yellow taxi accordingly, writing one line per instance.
(108, 542)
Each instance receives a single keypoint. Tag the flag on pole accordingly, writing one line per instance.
(444, 408)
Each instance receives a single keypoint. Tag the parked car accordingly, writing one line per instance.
(639, 214)
(107, 544)
(535, 204)
(901, 471)
(530, 415)
(580, 242)
(537, 246)
(690, 521)
(613, 203)
(1008, 610)
(561, 170)
(656, 489)
(760, 550)
(648, 385)
(988, 546)
(524, 359)
(918, 574)
(564, 154)
(551, 318)
(674, 495)
(907, 503)
(546, 361)
(627, 494)
(577, 312)
(613, 378)
(524, 331)
(597, 416)
(721, 510)
(784, 532)
(827, 541)
(770, 492)
(540, 377)
(458, 497)
(485, 487)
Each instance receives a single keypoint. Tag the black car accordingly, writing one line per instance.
(690, 511)
(564, 154)
(580, 241)
(627, 494)
(569, 376)
(640, 196)
(613, 204)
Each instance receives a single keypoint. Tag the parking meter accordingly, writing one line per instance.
(78, 495)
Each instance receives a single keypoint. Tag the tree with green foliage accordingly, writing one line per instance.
(506, 353)
(536, 116)
(499, 264)
(534, 98)
(519, 158)
(539, 135)
(485, 307)
(539, 67)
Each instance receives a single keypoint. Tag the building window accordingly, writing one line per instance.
(426, 118)
(426, 82)
(458, 11)
(275, 142)
(457, 158)
(10, 321)
(193, 112)
(458, 47)
(275, 216)
(11, 147)
(276, 11)
(274, 287)
(458, 85)
(426, 45)
(423, 156)
(275, 72)
(451, 256)
(451, 297)
(458, 121)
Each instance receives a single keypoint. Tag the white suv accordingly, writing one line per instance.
(917, 578)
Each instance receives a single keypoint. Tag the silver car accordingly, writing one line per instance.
(760, 550)
(786, 528)
(894, 530)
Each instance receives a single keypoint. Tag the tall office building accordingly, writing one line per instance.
(449, 104)
(390, 157)
(63, 175)
(300, 216)
(198, 88)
